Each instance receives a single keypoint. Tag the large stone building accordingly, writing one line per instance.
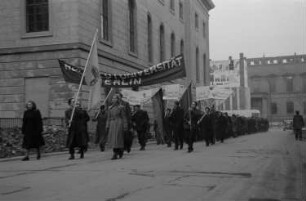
(133, 34)
(232, 75)
(278, 86)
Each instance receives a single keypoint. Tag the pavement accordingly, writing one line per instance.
(267, 166)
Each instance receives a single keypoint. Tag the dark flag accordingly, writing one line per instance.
(159, 110)
(71, 73)
(186, 99)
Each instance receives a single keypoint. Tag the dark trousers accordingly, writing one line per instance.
(178, 137)
(168, 137)
(191, 138)
(298, 134)
(142, 139)
(71, 150)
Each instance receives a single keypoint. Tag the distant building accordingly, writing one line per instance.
(278, 86)
(232, 75)
(133, 35)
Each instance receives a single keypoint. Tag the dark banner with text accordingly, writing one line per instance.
(165, 71)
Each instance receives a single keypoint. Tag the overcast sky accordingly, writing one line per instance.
(257, 28)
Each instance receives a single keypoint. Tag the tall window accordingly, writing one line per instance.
(273, 108)
(106, 20)
(289, 84)
(196, 20)
(204, 30)
(181, 10)
(172, 5)
(272, 85)
(182, 46)
(290, 107)
(197, 65)
(204, 66)
(37, 15)
(150, 39)
(172, 45)
(132, 25)
(162, 43)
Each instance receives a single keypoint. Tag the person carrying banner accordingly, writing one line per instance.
(140, 121)
(191, 118)
(101, 133)
(177, 121)
(77, 128)
(116, 125)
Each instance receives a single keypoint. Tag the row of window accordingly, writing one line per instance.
(289, 85)
(289, 108)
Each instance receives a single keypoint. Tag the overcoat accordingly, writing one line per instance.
(32, 128)
(116, 124)
(77, 133)
(101, 126)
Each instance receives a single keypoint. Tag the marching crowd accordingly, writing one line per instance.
(117, 123)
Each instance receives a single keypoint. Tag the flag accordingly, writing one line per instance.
(186, 99)
(158, 108)
(92, 77)
(71, 73)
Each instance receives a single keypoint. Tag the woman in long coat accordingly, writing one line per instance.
(77, 132)
(32, 128)
(116, 125)
(101, 133)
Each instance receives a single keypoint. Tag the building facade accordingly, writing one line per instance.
(133, 34)
(231, 74)
(278, 86)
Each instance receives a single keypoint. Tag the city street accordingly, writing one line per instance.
(260, 167)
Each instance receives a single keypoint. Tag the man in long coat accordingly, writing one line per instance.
(298, 124)
(140, 120)
(77, 130)
(101, 133)
(206, 127)
(177, 121)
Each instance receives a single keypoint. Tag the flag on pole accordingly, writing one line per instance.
(186, 99)
(72, 74)
(92, 77)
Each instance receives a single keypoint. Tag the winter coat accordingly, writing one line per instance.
(298, 122)
(32, 128)
(101, 126)
(77, 132)
(116, 125)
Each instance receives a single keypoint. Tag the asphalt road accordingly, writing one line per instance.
(260, 167)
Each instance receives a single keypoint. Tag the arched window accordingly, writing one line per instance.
(181, 10)
(132, 25)
(37, 15)
(197, 65)
(150, 39)
(162, 43)
(172, 44)
(182, 47)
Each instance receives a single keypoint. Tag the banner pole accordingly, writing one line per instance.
(82, 78)
(104, 102)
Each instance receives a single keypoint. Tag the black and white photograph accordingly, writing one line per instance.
(153, 100)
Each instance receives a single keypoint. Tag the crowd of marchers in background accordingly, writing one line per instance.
(209, 125)
(117, 123)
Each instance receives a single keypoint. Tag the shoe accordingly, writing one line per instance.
(71, 157)
(120, 154)
(142, 149)
(26, 158)
(38, 157)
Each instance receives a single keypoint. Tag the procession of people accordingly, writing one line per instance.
(117, 125)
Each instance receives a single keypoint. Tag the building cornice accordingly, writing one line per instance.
(69, 47)
(208, 4)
